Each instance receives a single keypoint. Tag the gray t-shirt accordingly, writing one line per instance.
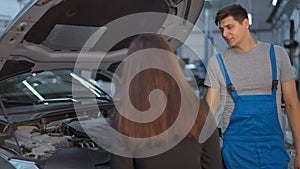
(250, 73)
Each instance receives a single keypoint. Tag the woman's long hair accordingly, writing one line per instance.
(147, 80)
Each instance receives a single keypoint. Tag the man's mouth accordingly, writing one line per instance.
(229, 40)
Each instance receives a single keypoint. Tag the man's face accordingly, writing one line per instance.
(233, 31)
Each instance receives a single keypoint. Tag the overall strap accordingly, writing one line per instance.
(274, 70)
(229, 85)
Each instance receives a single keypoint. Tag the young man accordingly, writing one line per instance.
(248, 79)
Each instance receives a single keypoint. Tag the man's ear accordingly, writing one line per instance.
(246, 23)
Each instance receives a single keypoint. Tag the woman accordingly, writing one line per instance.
(161, 114)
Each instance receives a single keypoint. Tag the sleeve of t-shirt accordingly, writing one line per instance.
(212, 78)
(285, 67)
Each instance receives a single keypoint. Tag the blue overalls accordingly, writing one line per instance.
(254, 138)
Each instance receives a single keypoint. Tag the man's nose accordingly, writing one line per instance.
(225, 33)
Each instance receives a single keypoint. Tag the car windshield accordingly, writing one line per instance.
(47, 86)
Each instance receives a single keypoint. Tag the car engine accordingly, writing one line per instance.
(57, 142)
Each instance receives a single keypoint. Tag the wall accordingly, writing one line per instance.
(275, 33)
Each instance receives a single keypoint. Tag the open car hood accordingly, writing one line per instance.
(51, 34)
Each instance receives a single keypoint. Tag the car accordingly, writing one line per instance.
(57, 61)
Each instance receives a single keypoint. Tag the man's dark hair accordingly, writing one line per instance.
(235, 10)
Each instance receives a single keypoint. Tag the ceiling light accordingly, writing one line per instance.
(250, 18)
(274, 2)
